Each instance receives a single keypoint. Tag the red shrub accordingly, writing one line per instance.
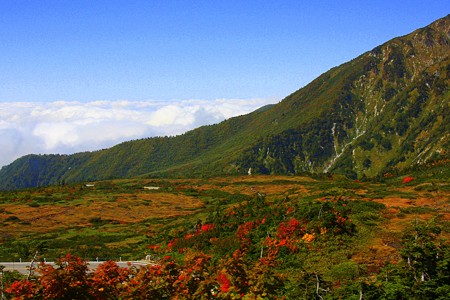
(207, 227)
(69, 278)
(172, 243)
(108, 280)
(225, 283)
(244, 229)
(287, 229)
(407, 179)
(23, 289)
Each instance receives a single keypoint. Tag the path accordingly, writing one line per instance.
(22, 267)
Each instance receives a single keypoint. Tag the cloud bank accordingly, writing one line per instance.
(68, 127)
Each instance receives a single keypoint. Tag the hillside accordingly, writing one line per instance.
(385, 111)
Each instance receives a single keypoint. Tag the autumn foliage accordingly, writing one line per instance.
(243, 253)
(23, 289)
(407, 179)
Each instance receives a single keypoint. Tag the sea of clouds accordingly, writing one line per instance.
(68, 127)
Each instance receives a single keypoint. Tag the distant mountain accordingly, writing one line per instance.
(385, 111)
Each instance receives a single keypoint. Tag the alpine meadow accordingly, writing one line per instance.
(339, 191)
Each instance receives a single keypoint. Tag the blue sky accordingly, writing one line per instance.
(84, 75)
(198, 49)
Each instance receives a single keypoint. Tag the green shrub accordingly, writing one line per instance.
(368, 218)
(12, 219)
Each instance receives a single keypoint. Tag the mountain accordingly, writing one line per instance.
(384, 111)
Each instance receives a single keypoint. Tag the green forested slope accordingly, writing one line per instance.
(386, 110)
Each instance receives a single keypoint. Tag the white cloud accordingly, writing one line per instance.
(68, 127)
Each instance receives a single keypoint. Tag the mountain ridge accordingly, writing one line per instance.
(385, 110)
